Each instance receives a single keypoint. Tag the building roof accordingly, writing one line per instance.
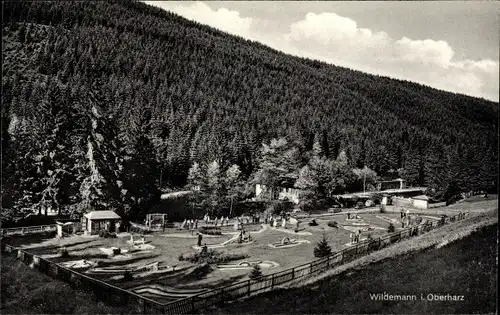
(392, 180)
(102, 215)
(421, 197)
(176, 194)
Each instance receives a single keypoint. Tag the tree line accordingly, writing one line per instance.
(106, 104)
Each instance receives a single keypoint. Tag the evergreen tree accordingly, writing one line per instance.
(99, 189)
(214, 186)
(256, 272)
(234, 184)
(322, 249)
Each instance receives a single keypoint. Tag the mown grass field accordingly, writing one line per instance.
(466, 267)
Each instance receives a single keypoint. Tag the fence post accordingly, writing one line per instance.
(310, 268)
(272, 281)
(248, 291)
(328, 261)
(222, 296)
(293, 273)
(192, 305)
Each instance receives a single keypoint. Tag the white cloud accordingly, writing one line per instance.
(338, 40)
(222, 19)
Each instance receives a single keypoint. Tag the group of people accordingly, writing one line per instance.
(405, 217)
(223, 221)
(355, 237)
(275, 221)
(189, 224)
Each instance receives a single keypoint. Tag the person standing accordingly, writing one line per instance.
(200, 238)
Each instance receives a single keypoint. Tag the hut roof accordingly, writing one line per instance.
(102, 215)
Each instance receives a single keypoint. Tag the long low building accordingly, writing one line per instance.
(404, 192)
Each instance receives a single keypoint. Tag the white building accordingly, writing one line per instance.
(420, 202)
(280, 193)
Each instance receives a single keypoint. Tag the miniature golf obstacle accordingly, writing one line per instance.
(287, 242)
(79, 264)
(149, 267)
(164, 291)
(267, 264)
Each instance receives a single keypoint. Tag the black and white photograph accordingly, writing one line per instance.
(249, 157)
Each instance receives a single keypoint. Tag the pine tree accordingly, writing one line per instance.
(234, 184)
(100, 189)
(322, 249)
(256, 272)
(214, 186)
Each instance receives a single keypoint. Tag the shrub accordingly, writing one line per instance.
(181, 258)
(322, 249)
(127, 276)
(313, 223)
(256, 272)
(106, 234)
(63, 252)
(333, 224)
(279, 206)
(213, 257)
(391, 228)
(210, 230)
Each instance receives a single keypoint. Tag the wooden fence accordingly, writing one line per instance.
(103, 291)
(117, 296)
(28, 230)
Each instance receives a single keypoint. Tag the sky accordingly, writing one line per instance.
(449, 45)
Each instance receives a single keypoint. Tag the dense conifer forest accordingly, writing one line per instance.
(106, 104)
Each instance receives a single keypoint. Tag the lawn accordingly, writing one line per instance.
(464, 268)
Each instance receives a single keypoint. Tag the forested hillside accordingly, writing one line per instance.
(106, 103)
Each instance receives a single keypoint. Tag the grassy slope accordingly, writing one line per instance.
(26, 291)
(466, 267)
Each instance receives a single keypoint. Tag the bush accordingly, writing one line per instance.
(210, 230)
(63, 252)
(333, 224)
(127, 276)
(256, 272)
(181, 258)
(313, 223)
(391, 228)
(279, 206)
(213, 257)
(106, 234)
(322, 249)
